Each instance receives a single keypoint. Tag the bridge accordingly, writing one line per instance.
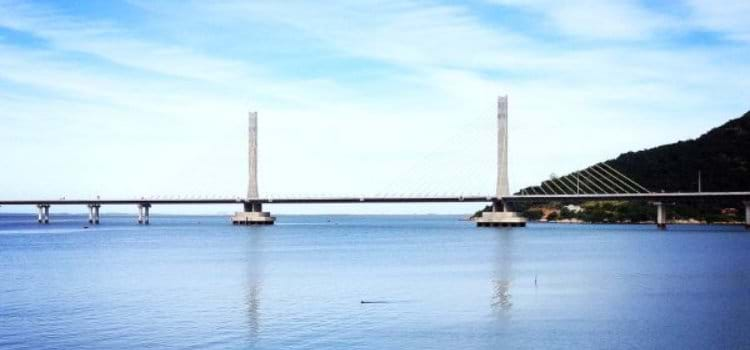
(597, 183)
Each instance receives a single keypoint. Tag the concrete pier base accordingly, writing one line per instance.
(747, 214)
(499, 216)
(253, 215)
(253, 218)
(500, 219)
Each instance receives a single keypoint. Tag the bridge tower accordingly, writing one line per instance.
(503, 187)
(253, 213)
(499, 214)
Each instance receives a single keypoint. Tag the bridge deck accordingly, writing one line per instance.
(675, 196)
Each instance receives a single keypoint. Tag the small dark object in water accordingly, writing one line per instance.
(85, 227)
(373, 302)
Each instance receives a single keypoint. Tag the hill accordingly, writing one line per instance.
(721, 156)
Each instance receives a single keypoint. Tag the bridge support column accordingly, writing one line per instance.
(499, 216)
(43, 213)
(253, 215)
(661, 216)
(94, 214)
(40, 217)
(747, 214)
(143, 213)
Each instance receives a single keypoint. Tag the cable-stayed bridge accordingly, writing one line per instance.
(597, 183)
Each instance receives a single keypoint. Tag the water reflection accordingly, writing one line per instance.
(502, 299)
(254, 281)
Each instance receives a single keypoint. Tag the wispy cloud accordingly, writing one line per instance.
(392, 81)
(603, 20)
(728, 18)
(113, 43)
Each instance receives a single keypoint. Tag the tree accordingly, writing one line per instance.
(533, 214)
(566, 213)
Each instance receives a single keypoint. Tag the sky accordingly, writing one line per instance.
(150, 98)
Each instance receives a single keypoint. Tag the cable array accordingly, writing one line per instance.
(601, 178)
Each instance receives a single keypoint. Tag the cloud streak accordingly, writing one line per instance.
(398, 91)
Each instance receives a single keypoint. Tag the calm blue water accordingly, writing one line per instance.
(199, 282)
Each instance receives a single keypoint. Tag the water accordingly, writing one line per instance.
(441, 283)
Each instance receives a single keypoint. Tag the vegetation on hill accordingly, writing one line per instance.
(721, 156)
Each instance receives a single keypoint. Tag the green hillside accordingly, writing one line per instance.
(721, 156)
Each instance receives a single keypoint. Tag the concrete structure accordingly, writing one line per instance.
(661, 216)
(747, 214)
(499, 216)
(503, 187)
(143, 213)
(94, 213)
(43, 213)
(252, 153)
(253, 213)
(255, 206)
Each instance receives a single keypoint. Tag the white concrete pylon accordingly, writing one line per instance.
(503, 188)
(252, 186)
(661, 215)
(41, 213)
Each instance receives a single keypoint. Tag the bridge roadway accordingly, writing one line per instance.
(655, 196)
(253, 213)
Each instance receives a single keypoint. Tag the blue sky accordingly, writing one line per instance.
(144, 98)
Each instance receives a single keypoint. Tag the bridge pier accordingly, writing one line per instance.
(143, 213)
(661, 216)
(747, 214)
(253, 215)
(499, 216)
(94, 214)
(43, 213)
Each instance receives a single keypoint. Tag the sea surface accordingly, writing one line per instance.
(428, 282)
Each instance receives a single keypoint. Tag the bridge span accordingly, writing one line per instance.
(498, 203)
(568, 198)
(600, 182)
